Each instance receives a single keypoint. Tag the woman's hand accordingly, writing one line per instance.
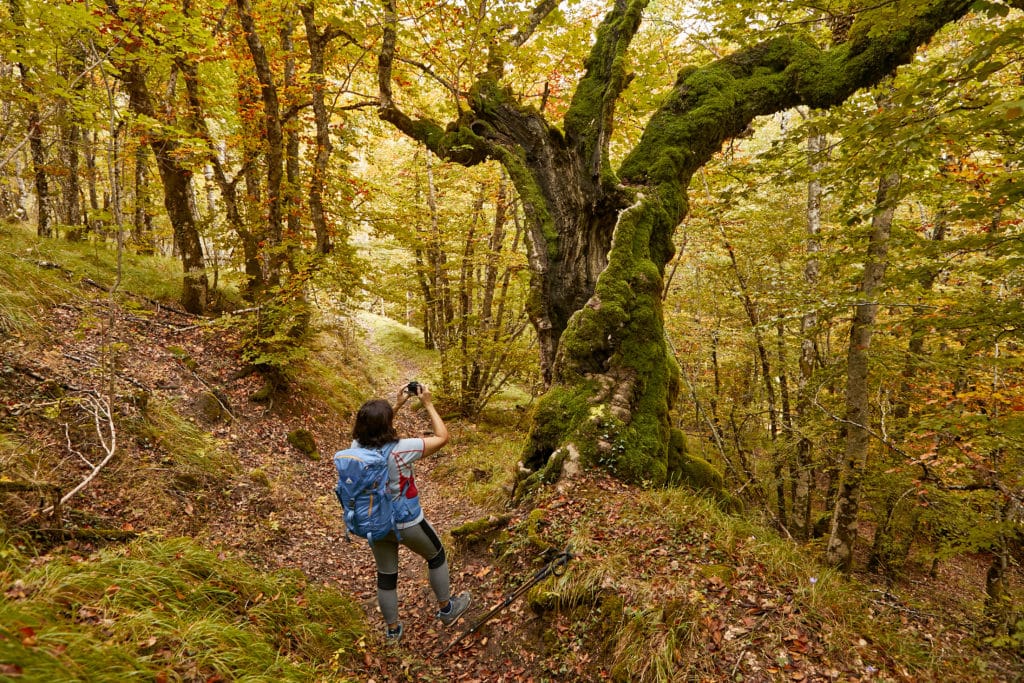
(403, 395)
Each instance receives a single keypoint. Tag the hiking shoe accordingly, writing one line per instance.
(392, 636)
(456, 606)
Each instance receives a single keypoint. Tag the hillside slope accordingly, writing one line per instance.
(665, 586)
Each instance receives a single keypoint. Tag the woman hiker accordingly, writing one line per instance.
(374, 429)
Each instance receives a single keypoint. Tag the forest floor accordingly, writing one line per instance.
(748, 624)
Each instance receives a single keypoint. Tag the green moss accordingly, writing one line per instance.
(534, 203)
(210, 409)
(534, 522)
(699, 474)
(184, 357)
(480, 529)
(558, 414)
(304, 442)
(620, 336)
(721, 572)
(259, 477)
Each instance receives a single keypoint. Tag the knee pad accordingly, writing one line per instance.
(387, 582)
(437, 560)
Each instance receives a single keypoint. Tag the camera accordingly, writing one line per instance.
(413, 388)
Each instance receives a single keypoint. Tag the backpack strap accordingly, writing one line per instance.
(387, 451)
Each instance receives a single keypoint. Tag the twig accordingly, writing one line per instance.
(121, 375)
(71, 447)
(103, 418)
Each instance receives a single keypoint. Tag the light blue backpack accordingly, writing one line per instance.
(363, 491)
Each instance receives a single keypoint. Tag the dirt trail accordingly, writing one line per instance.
(325, 556)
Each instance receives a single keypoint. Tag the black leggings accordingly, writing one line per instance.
(422, 540)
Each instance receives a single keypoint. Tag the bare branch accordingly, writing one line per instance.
(72, 449)
(539, 13)
(425, 68)
(103, 418)
(461, 145)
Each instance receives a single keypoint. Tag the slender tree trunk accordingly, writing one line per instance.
(35, 128)
(439, 305)
(228, 187)
(177, 182)
(290, 195)
(275, 145)
(844, 517)
(142, 221)
(468, 394)
(786, 412)
(422, 268)
(754, 318)
(72, 137)
(918, 326)
(317, 42)
(72, 186)
(998, 599)
(92, 222)
(805, 474)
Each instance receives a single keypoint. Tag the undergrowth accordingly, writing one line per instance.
(38, 272)
(169, 611)
(477, 462)
(675, 588)
(335, 372)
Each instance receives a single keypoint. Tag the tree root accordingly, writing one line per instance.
(480, 529)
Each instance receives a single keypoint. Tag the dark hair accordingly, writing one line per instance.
(373, 424)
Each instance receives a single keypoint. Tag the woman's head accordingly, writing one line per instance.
(373, 424)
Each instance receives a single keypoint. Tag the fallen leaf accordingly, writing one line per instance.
(28, 636)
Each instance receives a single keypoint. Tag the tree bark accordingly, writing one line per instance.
(805, 473)
(35, 130)
(72, 137)
(291, 198)
(598, 240)
(274, 134)
(844, 517)
(918, 326)
(317, 41)
(142, 220)
(177, 184)
(228, 187)
(177, 181)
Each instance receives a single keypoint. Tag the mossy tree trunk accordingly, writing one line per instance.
(599, 238)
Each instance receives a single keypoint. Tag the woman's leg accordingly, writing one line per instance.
(423, 540)
(385, 553)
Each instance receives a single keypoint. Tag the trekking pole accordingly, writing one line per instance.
(555, 566)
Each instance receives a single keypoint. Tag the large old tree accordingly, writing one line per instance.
(602, 235)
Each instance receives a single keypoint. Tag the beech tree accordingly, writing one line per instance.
(600, 233)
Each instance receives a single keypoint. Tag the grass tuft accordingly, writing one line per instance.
(170, 610)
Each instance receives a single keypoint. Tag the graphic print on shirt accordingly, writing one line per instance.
(407, 484)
